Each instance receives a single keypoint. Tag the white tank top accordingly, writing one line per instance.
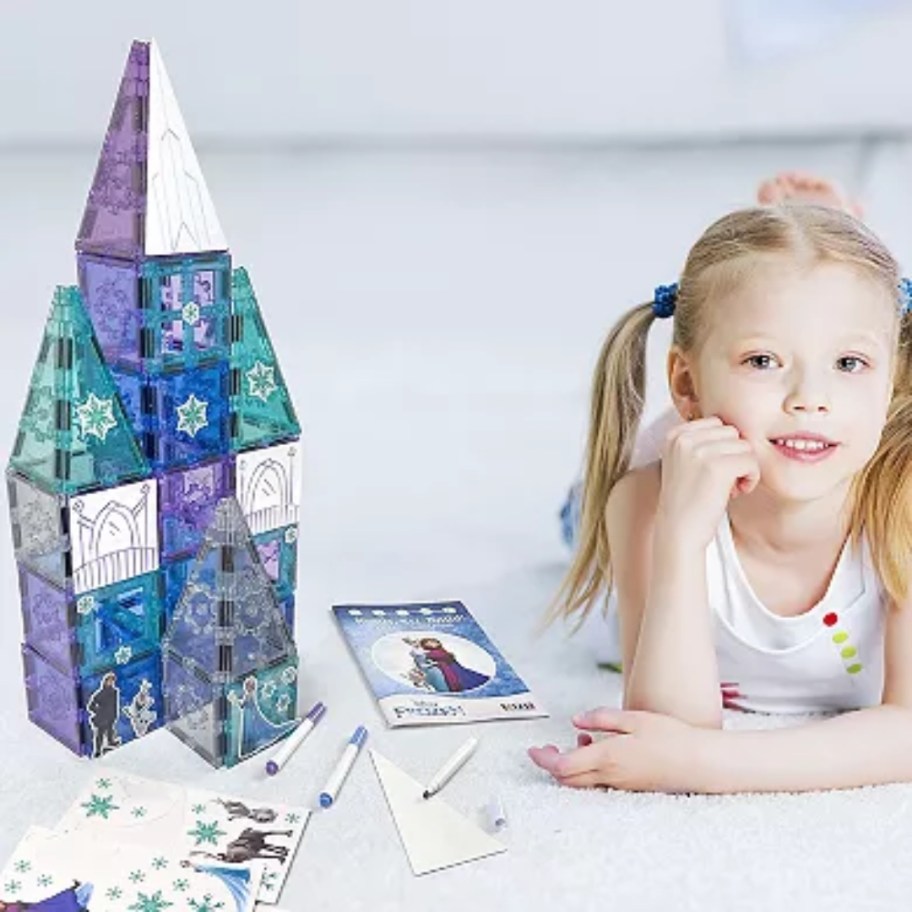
(828, 658)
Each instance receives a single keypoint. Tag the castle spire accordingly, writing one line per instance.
(149, 196)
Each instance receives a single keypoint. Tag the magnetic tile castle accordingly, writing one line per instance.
(154, 481)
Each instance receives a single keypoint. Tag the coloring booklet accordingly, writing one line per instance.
(430, 662)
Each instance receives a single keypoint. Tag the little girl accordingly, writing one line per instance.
(766, 557)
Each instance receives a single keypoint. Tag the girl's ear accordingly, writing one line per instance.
(681, 384)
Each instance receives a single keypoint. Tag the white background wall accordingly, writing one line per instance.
(381, 68)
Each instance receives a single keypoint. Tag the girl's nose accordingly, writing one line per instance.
(805, 399)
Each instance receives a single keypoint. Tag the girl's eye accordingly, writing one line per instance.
(854, 364)
(761, 362)
(851, 364)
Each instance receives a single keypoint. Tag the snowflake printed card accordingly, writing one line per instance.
(64, 872)
(205, 828)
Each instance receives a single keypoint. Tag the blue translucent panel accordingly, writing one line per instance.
(228, 621)
(122, 703)
(118, 622)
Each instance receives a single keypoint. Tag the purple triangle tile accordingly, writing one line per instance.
(113, 222)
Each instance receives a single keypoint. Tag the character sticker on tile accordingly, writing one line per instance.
(104, 711)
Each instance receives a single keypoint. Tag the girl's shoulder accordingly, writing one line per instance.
(634, 499)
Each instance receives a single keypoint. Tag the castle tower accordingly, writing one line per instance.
(84, 510)
(230, 663)
(200, 413)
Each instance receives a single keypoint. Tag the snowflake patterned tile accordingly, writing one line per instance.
(118, 622)
(158, 315)
(81, 634)
(95, 714)
(261, 409)
(38, 521)
(73, 434)
(187, 499)
(53, 700)
(182, 417)
(47, 622)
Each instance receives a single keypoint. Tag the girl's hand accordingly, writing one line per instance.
(704, 463)
(643, 751)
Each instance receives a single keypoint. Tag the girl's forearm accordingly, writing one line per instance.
(674, 670)
(866, 747)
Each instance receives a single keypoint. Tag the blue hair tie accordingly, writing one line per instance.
(905, 294)
(663, 302)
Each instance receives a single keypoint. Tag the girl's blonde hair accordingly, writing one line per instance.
(881, 498)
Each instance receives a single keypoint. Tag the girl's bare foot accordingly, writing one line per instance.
(800, 187)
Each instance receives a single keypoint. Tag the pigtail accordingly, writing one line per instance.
(882, 492)
(618, 391)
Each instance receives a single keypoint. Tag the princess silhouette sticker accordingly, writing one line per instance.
(434, 665)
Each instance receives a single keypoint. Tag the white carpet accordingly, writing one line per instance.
(437, 317)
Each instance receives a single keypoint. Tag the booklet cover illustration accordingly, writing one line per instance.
(430, 663)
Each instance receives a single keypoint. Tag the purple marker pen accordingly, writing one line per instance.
(294, 740)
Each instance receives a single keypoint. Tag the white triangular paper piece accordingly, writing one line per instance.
(180, 214)
(433, 835)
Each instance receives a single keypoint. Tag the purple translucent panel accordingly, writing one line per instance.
(38, 537)
(187, 499)
(114, 217)
(45, 620)
(111, 292)
(122, 703)
(53, 702)
(278, 550)
(192, 709)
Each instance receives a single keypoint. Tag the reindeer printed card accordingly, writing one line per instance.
(430, 662)
(64, 872)
(203, 827)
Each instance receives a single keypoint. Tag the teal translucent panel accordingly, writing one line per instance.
(73, 434)
(261, 409)
(118, 623)
(263, 707)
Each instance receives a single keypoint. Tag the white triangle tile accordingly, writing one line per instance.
(433, 835)
(180, 214)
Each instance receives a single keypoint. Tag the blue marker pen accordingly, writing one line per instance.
(343, 767)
